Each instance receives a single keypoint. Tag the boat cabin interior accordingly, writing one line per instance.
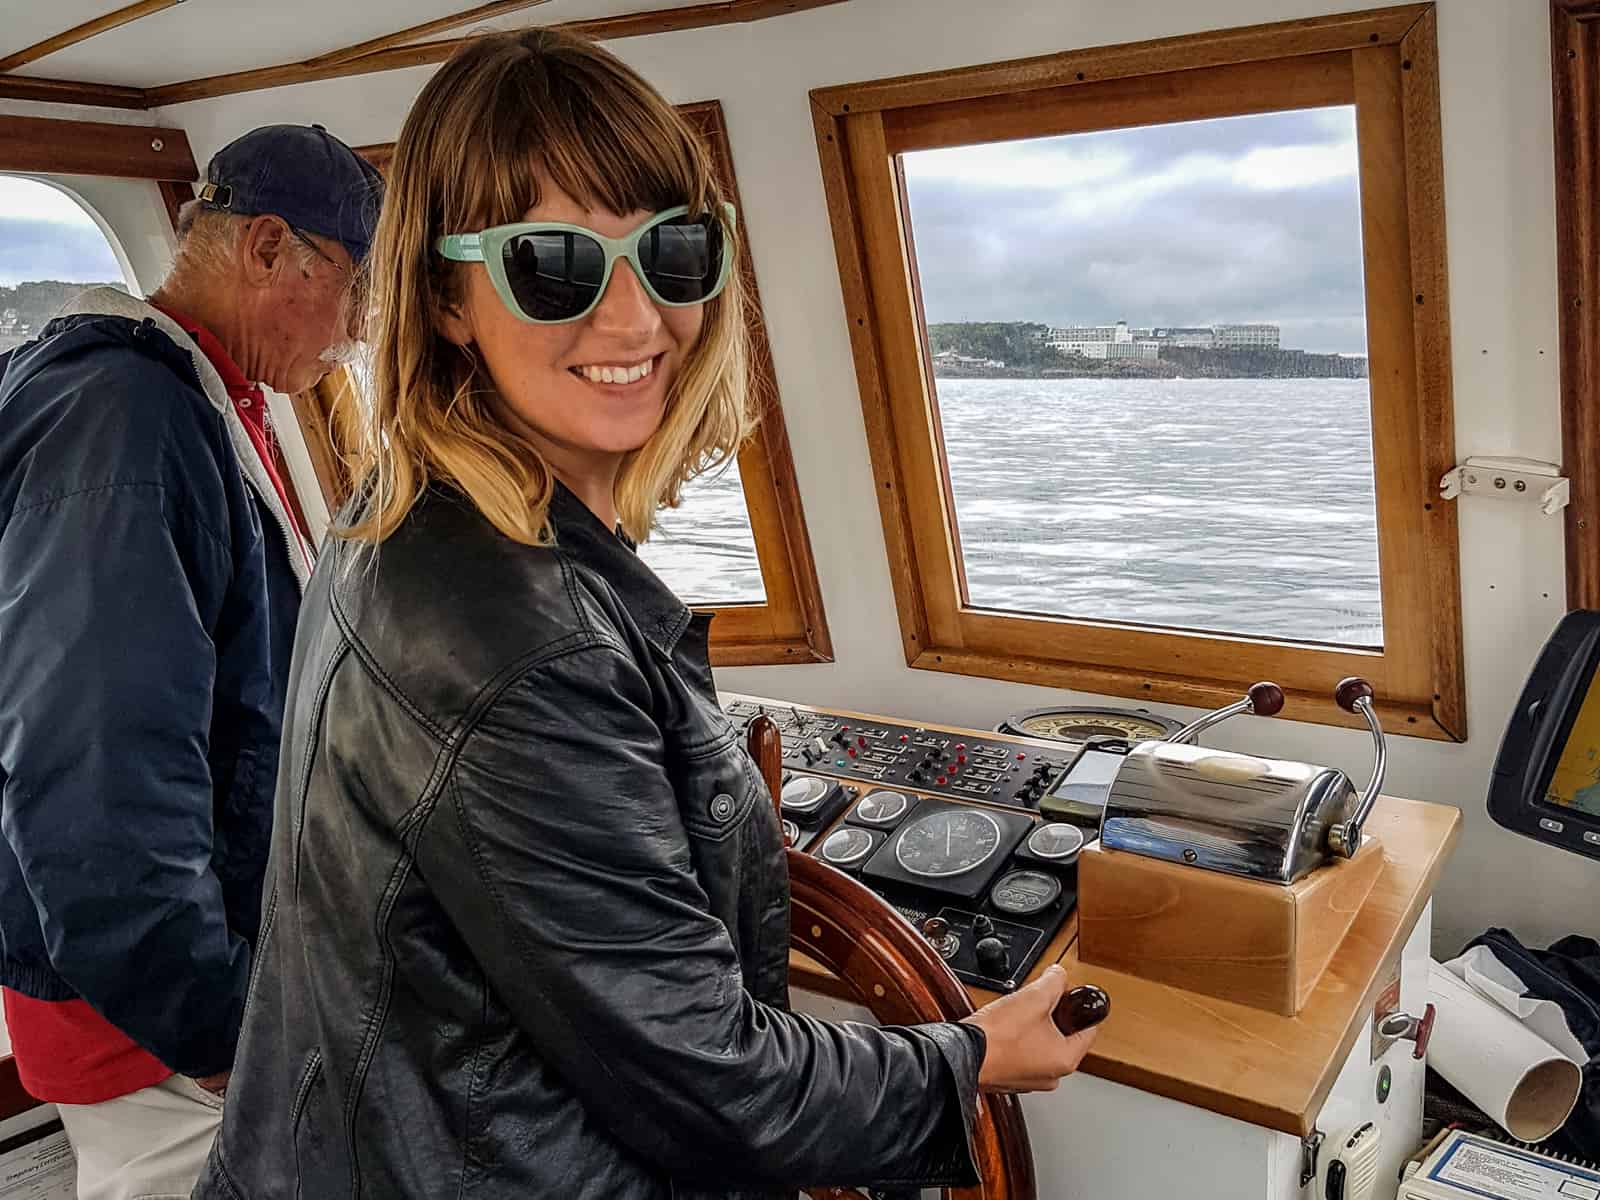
(1171, 540)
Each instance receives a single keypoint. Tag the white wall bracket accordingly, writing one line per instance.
(1524, 479)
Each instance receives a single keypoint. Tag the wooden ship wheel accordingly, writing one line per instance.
(899, 978)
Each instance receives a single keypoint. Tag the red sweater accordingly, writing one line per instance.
(66, 1052)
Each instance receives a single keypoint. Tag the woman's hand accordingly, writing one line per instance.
(1026, 1052)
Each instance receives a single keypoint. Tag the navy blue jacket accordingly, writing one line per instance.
(147, 605)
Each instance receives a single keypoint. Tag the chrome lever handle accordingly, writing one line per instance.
(1262, 700)
(1355, 695)
(1403, 1027)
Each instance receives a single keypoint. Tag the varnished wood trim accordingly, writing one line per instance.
(1238, 89)
(766, 468)
(82, 33)
(174, 195)
(1283, 39)
(402, 37)
(639, 24)
(94, 148)
(1390, 73)
(379, 155)
(863, 322)
(1575, 72)
(1430, 323)
(67, 91)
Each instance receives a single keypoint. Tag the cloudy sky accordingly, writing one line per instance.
(1251, 218)
(45, 235)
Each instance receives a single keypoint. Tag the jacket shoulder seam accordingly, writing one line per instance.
(222, 543)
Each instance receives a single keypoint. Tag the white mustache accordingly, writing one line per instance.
(340, 353)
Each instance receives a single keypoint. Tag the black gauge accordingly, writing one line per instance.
(1080, 724)
(791, 832)
(803, 793)
(1023, 893)
(1056, 841)
(951, 841)
(846, 847)
(882, 807)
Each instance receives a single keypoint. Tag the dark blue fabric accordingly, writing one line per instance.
(146, 620)
(1568, 973)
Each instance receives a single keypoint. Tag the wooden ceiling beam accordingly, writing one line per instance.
(405, 37)
(67, 91)
(82, 33)
(640, 24)
(38, 144)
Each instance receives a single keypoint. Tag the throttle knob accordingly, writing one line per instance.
(992, 957)
(1080, 1009)
(1266, 699)
(983, 927)
(1350, 690)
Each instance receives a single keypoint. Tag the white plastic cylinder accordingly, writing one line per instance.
(1511, 1073)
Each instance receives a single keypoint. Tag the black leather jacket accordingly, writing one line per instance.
(527, 915)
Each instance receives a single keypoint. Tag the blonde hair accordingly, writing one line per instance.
(502, 112)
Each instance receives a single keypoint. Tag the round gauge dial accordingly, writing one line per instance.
(1080, 724)
(879, 808)
(1023, 893)
(951, 841)
(1056, 840)
(803, 793)
(846, 846)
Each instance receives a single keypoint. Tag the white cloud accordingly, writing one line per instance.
(30, 200)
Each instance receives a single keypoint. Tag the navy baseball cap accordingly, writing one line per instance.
(303, 174)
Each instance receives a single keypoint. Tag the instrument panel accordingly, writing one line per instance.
(888, 754)
(943, 825)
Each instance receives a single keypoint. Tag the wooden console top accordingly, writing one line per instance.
(1257, 1066)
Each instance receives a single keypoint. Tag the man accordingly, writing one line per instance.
(150, 573)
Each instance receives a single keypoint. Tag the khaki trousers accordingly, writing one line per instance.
(147, 1145)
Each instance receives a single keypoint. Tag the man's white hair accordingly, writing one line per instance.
(208, 240)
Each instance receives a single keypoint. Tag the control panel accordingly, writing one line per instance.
(988, 888)
(886, 754)
(943, 825)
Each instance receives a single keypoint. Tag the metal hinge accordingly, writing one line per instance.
(1310, 1146)
(1509, 479)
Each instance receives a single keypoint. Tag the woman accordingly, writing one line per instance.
(527, 914)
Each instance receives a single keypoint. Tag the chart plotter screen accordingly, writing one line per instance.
(1575, 783)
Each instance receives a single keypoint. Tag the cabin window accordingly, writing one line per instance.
(705, 549)
(736, 546)
(51, 248)
(1152, 344)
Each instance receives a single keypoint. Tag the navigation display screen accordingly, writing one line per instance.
(1575, 783)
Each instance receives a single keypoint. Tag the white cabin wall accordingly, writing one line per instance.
(1495, 81)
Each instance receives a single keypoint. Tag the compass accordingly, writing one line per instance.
(1069, 723)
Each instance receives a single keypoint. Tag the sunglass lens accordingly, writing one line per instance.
(682, 258)
(554, 275)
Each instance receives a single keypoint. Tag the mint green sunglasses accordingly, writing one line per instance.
(548, 273)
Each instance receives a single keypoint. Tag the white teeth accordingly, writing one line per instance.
(621, 375)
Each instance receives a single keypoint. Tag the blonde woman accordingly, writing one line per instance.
(527, 910)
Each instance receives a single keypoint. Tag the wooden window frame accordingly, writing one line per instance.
(1575, 101)
(790, 626)
(1385, 63)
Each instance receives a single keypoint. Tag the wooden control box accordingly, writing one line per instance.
(1252, 942)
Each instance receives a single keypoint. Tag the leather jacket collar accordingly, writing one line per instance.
(661, 616)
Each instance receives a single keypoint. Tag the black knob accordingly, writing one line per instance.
(1080, 1008)
(915, 776)
(992, 957)
(983, 927)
